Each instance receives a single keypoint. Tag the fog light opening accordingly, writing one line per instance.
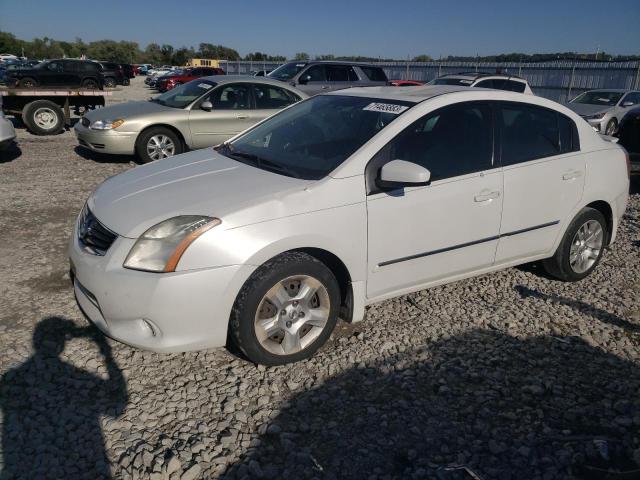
(149, 326)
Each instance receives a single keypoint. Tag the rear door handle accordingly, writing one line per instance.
(242, 117)
(325, 87)
(571, 174)
(486, 197)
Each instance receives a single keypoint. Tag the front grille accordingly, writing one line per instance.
(92, 235)
(85, 122)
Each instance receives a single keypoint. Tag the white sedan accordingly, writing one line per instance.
(337, 202)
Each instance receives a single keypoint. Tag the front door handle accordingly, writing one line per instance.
(486, 196)
(325, 87)
(571, 174)
(242, 117)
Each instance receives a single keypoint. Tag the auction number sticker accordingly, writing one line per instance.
(386, 108)
(206, 86)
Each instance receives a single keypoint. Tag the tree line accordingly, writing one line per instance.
(130, 52)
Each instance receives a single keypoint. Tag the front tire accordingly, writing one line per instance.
(27, 82)
(43, 117)
(158, 143)
(89, 84)
(110, 82)
(581, 248)
(286, 310)
(612, 127)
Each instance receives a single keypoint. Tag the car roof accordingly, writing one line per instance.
(336, 62)
(222, 79)
(478, 75)
(415, 94)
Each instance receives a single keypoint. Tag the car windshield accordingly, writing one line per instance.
(313, 137)
(464, 82)
(287, 71)
(609, 99)
(183, 95)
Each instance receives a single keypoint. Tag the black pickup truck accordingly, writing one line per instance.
(58, 73)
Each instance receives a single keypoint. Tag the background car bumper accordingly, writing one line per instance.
(168, 312)
(7, 132)
(106, 141)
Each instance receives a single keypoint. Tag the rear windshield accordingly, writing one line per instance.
(313, 137)
(463, 82)
(287, 71)
(375, 74)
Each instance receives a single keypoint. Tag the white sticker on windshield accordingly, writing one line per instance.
(466, 82)
(385, 108)
(206, 86)
(300, 64)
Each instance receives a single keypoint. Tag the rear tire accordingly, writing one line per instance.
(126, 82)
(581, 248)
(286, 310)
(27, 82)
(157, 143)
(43, 117)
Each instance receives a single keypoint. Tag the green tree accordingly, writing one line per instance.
(301, 56)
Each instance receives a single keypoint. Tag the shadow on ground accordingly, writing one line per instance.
(506, 408)
(103, 157)
(51, 409)
(10, 153)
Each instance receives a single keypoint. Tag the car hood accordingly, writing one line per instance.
(202, 182)
(587, 109)
(128, 110)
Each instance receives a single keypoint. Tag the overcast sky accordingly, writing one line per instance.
(387, 28)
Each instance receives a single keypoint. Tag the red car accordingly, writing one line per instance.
(186, 75)
(405, 83)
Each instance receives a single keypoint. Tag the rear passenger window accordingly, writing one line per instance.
(515, 86)
(527, 133)
(452, 141)
(315, 74)
(375, 74)
(270, 98)
(569, 141)
(485, 84)
(340, 73)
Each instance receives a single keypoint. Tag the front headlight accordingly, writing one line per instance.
(160, 248)
(106, 124)
(597, 116)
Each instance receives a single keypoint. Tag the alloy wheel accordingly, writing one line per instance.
(160, 146)
(292, 314)
(586, 246)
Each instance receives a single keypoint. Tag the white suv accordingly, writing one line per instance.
(496, 81)
(337, 202)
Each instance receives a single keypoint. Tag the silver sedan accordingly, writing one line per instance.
(198, 114)
(603, 109)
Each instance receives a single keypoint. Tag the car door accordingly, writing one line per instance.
(232, 113)
(313, 80)
(544, 176)
(269, 99)
(52, 75)
(425, 234)
(71, 73)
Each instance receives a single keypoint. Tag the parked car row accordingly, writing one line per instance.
(69, 73)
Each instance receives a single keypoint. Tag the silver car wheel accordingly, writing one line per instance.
(45, 118)
(611, 128)
(586, 246)
(160, 146)
(292, 314)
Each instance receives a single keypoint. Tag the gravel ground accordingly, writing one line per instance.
(512, 374)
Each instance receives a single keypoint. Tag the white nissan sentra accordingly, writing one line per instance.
(337, 202)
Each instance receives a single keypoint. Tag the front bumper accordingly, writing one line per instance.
(7, 132)
(106, 141)
(167, 312)
(597, 125)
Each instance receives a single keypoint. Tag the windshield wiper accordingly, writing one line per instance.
(261, 162)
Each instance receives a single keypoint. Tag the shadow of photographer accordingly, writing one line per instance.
(63, 441)
(501, 406)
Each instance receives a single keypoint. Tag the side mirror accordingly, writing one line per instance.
(304, 79)
(207, 106)
(400, 173)
(627, 104)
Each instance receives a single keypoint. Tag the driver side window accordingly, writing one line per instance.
(231, 97)
(315, 74)
(55, 67)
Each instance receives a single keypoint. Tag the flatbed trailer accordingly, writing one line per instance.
(47, 111)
